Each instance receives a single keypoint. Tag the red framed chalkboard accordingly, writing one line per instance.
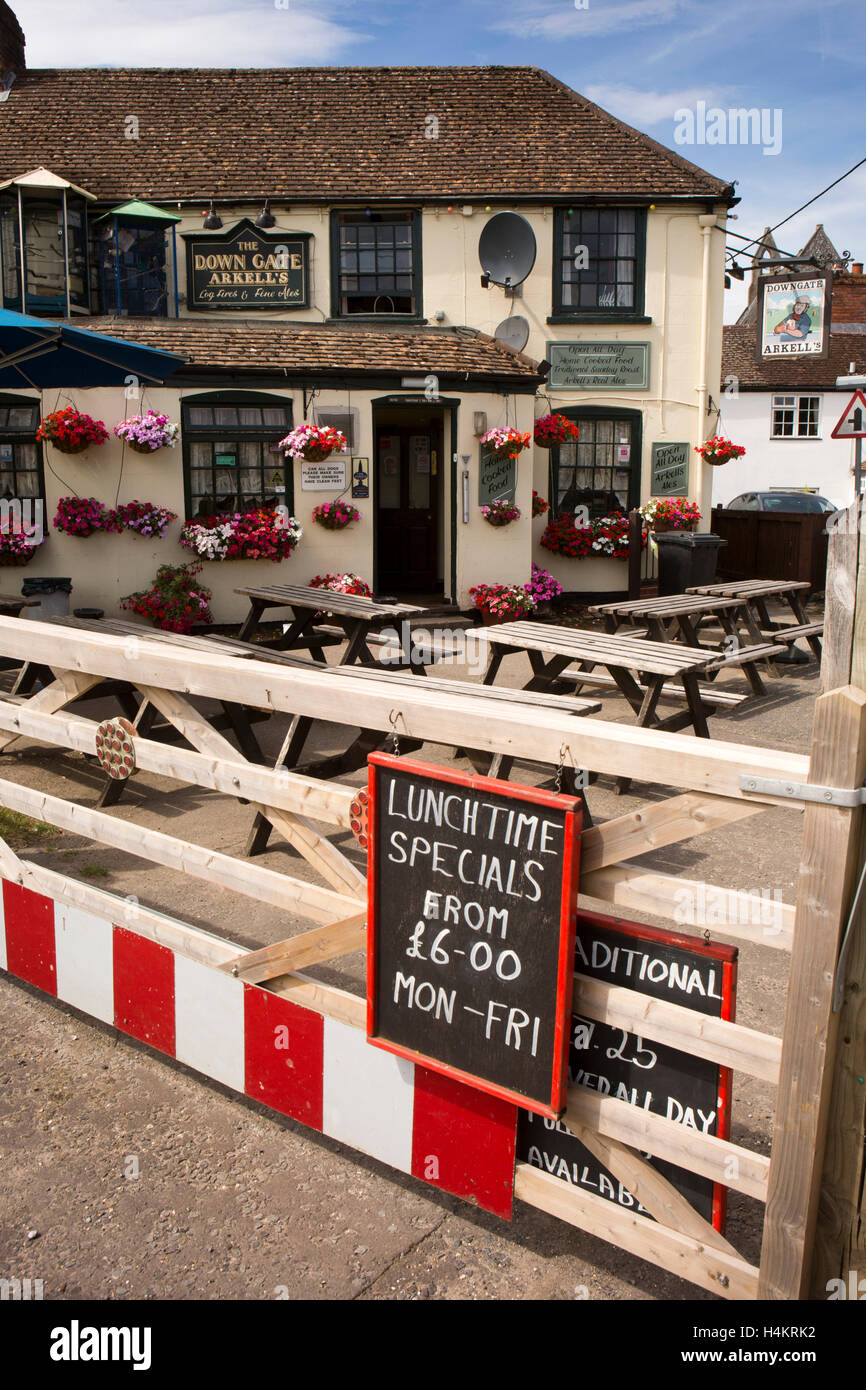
(472, 903)
(686, 970)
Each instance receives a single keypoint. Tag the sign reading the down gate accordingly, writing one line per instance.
(689, 1090)
(472, 906)
(247, 268)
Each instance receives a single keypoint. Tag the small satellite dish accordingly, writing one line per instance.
(514, 332)
(507, 249)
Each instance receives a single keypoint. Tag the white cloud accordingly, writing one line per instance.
(644, 109)
(538, 19)
(180, 33)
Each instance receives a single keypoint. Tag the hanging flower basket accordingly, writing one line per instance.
(500, 513)
(717, 451)
(539, 504)
(505, 443)
(146, 433)
(313, 443)
(82, 516)
(335, 515)
(70, 431)
(554, 429)
(21, 557)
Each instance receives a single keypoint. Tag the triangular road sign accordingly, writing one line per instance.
(852, 424)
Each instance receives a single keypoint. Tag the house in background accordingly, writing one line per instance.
(783, 410)
(310, 241)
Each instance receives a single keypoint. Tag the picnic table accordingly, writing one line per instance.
(315, 611)
(10, 607)
(754, 594)
(644, 671)
(684, 615)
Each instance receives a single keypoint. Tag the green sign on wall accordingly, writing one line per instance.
(670, 470)
(497, 479)
(583, 366)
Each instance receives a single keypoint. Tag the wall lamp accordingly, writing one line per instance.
(213, 221)
(266, 217)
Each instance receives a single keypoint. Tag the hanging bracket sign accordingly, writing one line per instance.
(471, 923)
(247, 268)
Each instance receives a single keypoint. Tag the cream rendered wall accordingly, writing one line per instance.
(822, 463)
(105, 567)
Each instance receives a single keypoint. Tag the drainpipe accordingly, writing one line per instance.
(706, 222)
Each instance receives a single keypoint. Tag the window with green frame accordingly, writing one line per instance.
(599, 262)
(21, 473)
(229, 455)
(601, 469)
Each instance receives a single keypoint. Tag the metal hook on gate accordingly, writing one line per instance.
(392, 720)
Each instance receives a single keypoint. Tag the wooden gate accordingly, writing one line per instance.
(95, 950)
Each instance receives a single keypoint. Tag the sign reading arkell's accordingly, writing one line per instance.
(472, 888)
(247, 268)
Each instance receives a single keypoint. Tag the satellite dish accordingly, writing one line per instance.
(507, 249)
(514, 332)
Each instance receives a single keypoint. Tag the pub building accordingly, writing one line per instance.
(327, 246)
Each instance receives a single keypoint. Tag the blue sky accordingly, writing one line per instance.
(643, 60)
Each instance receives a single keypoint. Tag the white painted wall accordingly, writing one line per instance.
(822, 463)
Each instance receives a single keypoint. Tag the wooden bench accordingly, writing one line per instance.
(710, 694)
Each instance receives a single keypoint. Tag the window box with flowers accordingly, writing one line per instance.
(176, 601)
(258, 535)
(500, 513)
(313, 442)
(70, 431)
(334, 516)
(147, 433)
(18, 547)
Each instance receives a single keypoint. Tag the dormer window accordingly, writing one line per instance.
(43, 245)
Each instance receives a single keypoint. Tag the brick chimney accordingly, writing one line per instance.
(849, 302)
(11, 42)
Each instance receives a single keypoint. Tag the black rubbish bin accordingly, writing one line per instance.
(686, 559)
(53, 595)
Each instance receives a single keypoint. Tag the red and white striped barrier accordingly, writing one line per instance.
(317, 1070)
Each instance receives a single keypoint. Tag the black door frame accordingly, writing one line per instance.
(449, 405)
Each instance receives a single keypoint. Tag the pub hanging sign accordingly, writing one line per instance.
(247, 268)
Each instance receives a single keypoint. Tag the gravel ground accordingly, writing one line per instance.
(127, 1176)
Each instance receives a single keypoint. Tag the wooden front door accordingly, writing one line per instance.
(408, 491)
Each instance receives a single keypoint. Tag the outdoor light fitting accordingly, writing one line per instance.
(212, 221)
(266, 217)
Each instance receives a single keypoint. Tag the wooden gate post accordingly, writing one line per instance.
(829, 869)
(840, 1239)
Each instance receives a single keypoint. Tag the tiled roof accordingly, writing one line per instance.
(452, 354)
(783, 373)
(330, 134)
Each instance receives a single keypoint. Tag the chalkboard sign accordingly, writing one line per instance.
(689, 1090)
(472, 905)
